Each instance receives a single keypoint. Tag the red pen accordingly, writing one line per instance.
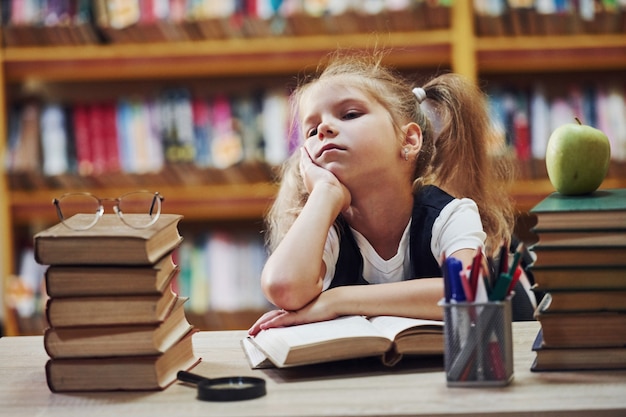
(475, 271)
(514, 279)
(469, 294)
(495, 359)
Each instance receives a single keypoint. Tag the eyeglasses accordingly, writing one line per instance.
(143, 209)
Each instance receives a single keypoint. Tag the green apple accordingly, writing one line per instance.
(577, 158)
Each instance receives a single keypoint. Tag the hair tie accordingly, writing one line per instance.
(420, 94)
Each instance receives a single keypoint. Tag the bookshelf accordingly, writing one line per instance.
(456, 47)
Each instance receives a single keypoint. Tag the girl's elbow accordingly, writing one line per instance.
(283, 292)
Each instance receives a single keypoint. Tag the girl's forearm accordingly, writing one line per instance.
(414, 298)
(293, 274)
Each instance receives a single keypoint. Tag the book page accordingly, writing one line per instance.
(391, 326)
(341, 338)
(256, 358)
(314, 333)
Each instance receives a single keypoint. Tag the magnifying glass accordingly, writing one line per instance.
(233, 388)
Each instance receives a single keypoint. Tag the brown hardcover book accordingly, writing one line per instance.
(583, 238)
(113, 341)
(109, 310)
(579, 278)
(129, 373)
(603, 209)
(76, 281)
(581, 329)
(576, 359)
(108, 242)
(591, 300)
(344, 338)
(579, 255)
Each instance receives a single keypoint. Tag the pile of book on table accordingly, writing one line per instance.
(581, 266)
(115, 322)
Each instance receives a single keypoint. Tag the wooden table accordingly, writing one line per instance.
(356, 388)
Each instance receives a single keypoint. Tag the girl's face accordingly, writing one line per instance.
(347, 132)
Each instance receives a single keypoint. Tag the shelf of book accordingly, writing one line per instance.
(216, 202)
(218, 58)
(195, 202)
(515, 54)
(453, 46)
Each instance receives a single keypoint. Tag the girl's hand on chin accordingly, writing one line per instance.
(314, 175)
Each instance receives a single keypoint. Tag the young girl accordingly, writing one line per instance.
(378, 194)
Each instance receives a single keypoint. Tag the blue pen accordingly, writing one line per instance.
(454, 268)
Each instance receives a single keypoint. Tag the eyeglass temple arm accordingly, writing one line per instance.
(58, 209)
(154, 200)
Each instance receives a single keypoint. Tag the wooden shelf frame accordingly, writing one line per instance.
(215, 58)
(195, 202)
(551, 53)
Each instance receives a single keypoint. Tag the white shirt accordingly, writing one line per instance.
(457, 227)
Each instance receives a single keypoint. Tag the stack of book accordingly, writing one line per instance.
(115, 323)
(581, 266)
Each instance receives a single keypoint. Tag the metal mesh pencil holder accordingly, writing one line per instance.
(478, 343)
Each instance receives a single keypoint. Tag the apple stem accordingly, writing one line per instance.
(578, 121)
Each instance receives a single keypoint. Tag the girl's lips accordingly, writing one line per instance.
(328, 148)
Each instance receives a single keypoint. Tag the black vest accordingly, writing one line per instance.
(427, 204)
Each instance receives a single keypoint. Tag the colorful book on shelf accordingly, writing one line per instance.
(119, 340)
(82, 139)
(78, 280)
(108, 310)
(581, 328)
(579, 278)
(576, 359)
(127, 373)
(108, 112)
(82, 23)
(603, 209)
(108, 242)
(54, 140)
(343, 338)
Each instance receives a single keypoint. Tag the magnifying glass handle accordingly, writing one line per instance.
(190, 377)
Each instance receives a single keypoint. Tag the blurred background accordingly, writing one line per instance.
(190, 98)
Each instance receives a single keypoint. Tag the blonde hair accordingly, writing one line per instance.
(459, 152)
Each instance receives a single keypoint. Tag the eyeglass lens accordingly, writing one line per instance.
(86, 205)
(145, 208)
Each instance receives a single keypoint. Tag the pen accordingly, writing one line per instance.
(454, 268)
(514, 279)
(495, 358)
(503, 259)
(465, 283)
(475, 271)
(517, 257)
(501, 287)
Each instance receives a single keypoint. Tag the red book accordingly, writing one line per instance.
(82, 141)
(110, 137)
(96, 138)
(522, 136)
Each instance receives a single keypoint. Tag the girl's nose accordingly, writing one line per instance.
(325, 130)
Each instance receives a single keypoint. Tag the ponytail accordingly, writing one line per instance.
(469, 158)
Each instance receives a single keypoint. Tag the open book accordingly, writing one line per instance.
(346, 337)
